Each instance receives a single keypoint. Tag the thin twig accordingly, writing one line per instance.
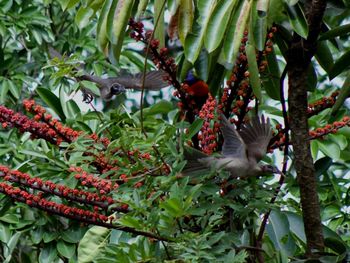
(285, 159)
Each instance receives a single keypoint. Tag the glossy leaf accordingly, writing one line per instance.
(141, 8)
(342, 64)
(278, 230)
(233, 38)
(336, 32)
(52, 101)
(4, 88)
(324, 56)
(159, 9)
(217, 24)
(13, 88)
(343, 95)
(83, 16)
(194, 40)
(330, 149)
(194, 128)
(117, 21)
(270, 77)
(48, 254)
(254, 77)
(94, 240)
(102, 39)
(258, 22)
(297, 19)
(311, 80)
(186, 16)
(65, 249)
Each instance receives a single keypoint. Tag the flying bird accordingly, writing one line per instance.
(154, 80)
(241, 152)
(108, 87)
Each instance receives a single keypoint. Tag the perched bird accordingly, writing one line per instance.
(196, 86)
(241, 151)
(153, 80)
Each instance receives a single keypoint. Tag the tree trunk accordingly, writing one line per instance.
(298, 60)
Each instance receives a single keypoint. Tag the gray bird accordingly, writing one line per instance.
(241, 151)
(154, 80)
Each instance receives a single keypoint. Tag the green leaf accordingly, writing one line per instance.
(342, 64)
(311, 80)
(52, 101)
(322, 165)
(161, 107)
(4, 88)
(343, 95)
(101, 31)
(141, 8)
(258, 22)
(159, 30)
(297, 20)
(91, 86)
(339, 139)
(330, 212)
(83, 16)
(233, 38)
(194, 128)
(48, 254)
(330, 149)
(5, 233)
(254, 77)
(117, 21)
(279, 233)
(336, 244)
(270, 77)
(65, 249)
(217, 24)
(130, 221)
(173, 206)
(336, 32)
(324, 56)
(11, 245)
(13, 89)
(186, 15)
(195, 39)
(93, 242)
(10, 218)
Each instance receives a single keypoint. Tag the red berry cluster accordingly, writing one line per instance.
(329, 128)
(63, 133)
(314, 134)
(278, 140)
(104, 186)
(161, 58)
(207, 134)
(38, 130)
(53, 207)
(237, 88)
(324, 103)
(56, 189)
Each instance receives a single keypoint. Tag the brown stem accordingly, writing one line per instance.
(299, 57)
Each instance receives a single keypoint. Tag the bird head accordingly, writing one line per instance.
(117, 88)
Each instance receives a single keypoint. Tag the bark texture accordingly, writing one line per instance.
(298, 60)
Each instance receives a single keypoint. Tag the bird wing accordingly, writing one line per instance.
(233, 145)
(193, 157)
(154, 80)
(257, 135)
